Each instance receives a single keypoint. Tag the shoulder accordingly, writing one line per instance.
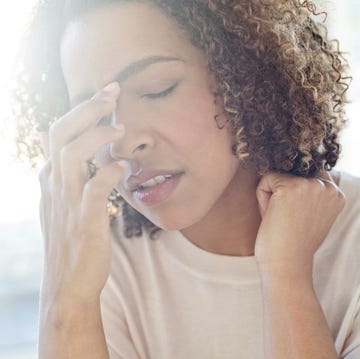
(340, 250)
(336, 272)
(348, 221)
(339, 254)
(347, 224)
(350, 185)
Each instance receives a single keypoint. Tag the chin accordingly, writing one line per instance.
(167, 224)
(172, 221)
(172, 215)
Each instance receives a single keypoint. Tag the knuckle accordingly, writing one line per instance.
(53, 129)
(65, 153)
(342, 197)
(318, 185)
(101, 102)
(54, 135)
(95, 103)
(89, 102)
(44, 173)
(332, 189)
(42, 176)
(91, 107)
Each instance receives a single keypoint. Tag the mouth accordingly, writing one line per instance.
(153, 193)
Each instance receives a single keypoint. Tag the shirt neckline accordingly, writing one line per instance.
(208, 265)
(213, 266)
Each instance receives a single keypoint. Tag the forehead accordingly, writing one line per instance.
(98, 44)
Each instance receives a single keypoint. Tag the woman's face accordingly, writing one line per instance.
(176, 132)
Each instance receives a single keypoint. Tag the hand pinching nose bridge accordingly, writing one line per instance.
(115, 200)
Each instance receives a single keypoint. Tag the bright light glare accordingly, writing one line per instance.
(17, 194)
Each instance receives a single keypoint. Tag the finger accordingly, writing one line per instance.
(96, 193)
(265, 189)
(74, 156)
(44, 207)
(328, 182)
(45, 200)
(326, 178)
(274, 184)
(320, 181)
(44, 175)
(78, 120)
(272, 181)
(44, 141)
(263, 201)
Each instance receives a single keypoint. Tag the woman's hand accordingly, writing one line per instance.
(73, 208)
(297, 213)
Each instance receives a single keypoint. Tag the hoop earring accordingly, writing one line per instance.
(220, 124)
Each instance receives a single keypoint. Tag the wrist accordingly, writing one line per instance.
(285, 273)
(69, 328)
(68, 312)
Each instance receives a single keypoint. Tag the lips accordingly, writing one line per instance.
(133, 182)
(151, 196)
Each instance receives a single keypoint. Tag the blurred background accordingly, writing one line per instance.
(20, 236)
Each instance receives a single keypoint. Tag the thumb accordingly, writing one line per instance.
(263, 199)
(265, 189)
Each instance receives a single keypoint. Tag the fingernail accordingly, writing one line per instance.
(118, 126)
(109, 93)
(112, 87)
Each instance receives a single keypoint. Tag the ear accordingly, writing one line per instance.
(44, 141)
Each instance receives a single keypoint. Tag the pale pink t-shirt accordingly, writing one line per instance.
(169, 299)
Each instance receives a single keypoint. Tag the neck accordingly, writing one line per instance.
(231, 226)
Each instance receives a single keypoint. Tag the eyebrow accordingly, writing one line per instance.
(130, 70)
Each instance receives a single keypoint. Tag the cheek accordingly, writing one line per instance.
(200, 132)
(206, 146)
(195, 117)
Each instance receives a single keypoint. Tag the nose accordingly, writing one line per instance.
(137, 141)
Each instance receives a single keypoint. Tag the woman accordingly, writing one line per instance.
(240, 245)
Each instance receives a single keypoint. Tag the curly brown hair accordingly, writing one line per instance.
(281, 80)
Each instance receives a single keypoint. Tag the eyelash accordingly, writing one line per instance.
(107, 119)
(160, 94)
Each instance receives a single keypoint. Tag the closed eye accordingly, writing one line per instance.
(160, 94)
(106, 120)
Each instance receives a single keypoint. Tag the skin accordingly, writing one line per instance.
(282, 219)
(172, 139)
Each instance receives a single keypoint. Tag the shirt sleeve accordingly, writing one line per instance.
(118, 339)
(352, 343)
